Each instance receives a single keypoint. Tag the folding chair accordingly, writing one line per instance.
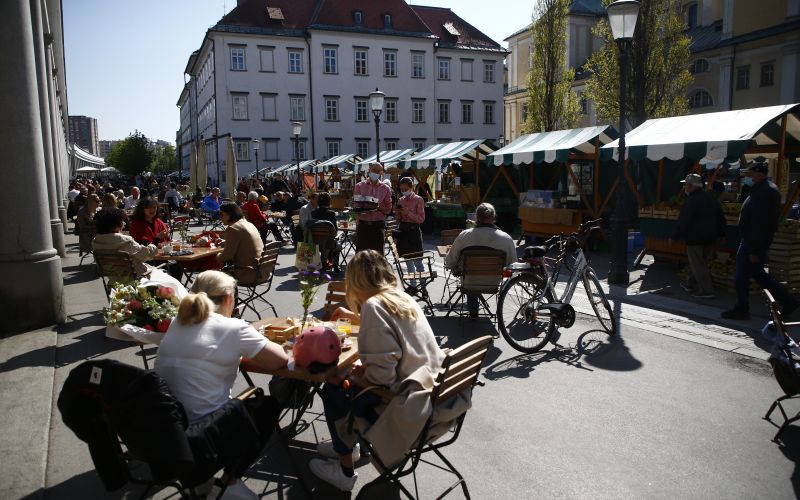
(785, 365)
(460, 372)
(247, 292)
(415, 283)
(323, 234)
(447, 237)
(390, 229)
(481, 271)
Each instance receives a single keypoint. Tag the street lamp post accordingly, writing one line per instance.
(622, 16)
(297, 128)
(376, 103)
(256, 144)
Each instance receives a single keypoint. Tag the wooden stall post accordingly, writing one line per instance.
(781, 153)
(596, 176)
(659, 180)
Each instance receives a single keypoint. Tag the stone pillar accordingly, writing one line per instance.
(724, 102)
(790, 83)
(33, 292)
(56, 138)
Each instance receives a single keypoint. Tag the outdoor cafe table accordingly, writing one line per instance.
(197, 254)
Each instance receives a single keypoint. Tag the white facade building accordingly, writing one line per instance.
(316, 61)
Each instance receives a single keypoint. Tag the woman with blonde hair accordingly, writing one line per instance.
(397, 351)
(199, 358)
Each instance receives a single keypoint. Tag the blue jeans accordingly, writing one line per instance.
(338, 404)
(746, 270)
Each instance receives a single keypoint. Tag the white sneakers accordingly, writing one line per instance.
(325, 449)
(330, 471)
(235, 491)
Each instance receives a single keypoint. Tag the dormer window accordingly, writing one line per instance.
(358, 17)
(387, 20)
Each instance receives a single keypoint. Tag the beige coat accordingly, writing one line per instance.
(243, 246)
(117, 242)
(403, 356)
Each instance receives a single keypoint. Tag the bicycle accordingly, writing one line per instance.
(528, 309)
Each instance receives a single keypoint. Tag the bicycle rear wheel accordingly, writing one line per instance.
(600, 304)
(524, 327)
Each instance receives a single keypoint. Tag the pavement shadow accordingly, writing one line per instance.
(89, 486)
(599, 350)
(74, 275)
(523, 365)
(789, 445)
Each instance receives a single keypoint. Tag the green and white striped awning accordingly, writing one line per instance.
(549, 147)
(332, 162)
(715, 136)
(388, 158)
(440, 155)
(289, 166)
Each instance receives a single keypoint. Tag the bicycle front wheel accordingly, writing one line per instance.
(600, 304)
(525, 327)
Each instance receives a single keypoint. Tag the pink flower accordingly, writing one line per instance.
(134, 305)
(165, 292)
(148, 327)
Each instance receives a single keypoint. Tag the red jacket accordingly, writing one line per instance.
(253, 213)
(145, 233)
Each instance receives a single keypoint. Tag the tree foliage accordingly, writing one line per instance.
(658, 75)
(552, 104)
(164, 160)
(131, 156)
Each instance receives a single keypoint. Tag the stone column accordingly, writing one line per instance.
(32, 294)
(56, 138)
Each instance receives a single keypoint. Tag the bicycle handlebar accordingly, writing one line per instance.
(584, 228)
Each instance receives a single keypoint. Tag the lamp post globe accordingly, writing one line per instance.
(622, 17)
(376, 104)
(255, 143)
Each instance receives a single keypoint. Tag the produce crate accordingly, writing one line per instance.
(784, 255)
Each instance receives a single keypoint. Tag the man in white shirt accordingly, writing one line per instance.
(133, 199)
(73, 192)
(485, 234)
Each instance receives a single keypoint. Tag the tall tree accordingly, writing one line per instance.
(131, 156)
(658, 75)
(552, 104)
(164, 160)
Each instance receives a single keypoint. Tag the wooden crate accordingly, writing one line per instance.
(280, 332)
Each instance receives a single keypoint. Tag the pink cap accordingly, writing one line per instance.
(316, 345)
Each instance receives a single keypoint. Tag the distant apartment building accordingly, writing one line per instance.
(260, 68)
(83, 132)
(744, 55)
(105, 147)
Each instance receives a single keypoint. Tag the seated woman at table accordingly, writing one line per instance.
(398, 352)
(145, 227)
(242, 243)
(199, 359)
(253, 213)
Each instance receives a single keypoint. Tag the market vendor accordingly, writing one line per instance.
(371, 224)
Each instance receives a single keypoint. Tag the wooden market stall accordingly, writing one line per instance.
(571, 156)
(336, 173)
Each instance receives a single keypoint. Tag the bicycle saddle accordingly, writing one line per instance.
(531, 252)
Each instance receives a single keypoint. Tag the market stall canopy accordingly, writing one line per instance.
(388, 158)
(87, 169)
(107, 170)
(332, 162)
(440, 155)
(549, 147)
(711, 135)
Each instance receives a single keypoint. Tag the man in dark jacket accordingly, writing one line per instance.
(758, 222)
(700, 223)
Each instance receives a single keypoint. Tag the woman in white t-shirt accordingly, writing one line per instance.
(200, 355)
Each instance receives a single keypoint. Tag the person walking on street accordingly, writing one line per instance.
(700, 223)
(758, 223)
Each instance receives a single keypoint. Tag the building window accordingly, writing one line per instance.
(418, 111)
(242, 150)
(358, 17)
(417, 65)
(267, 56)
(237, 59)
(297, 107)
(466, 70)
(295, 61)
(301, 149)
(362, 149)
(391, 145)
(466, 112)
(698, 66)
(390, 111)
(488, 72)
(691, 15)
(418, 145)
(268, 106)
(523, 113)
(700, 99)
(387, 20)
(332, 109)
(389, 63)
(444, 112)
(767, 74)
(361, 110)
(270, 150)
(333, 148)
(239, 106)
(329, 60)
(742, 77)
(444, 69)
(488, 113)
(360, 56)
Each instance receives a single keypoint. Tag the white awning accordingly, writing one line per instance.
(332, 162)
(87, 169)
(549, 147)
(391, 156)
(440, 155)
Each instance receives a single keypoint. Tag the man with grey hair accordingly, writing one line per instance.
(484, 234)
(252, 212)
(132, 200)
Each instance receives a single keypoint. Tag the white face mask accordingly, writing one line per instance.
(748, 181)
(374, 177)
(405, 193)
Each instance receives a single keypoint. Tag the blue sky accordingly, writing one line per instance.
(125, 60)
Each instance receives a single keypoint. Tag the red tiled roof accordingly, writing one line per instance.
(469, 36)
(340, 13)
(296, 13)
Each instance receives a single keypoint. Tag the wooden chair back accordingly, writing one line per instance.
(448, 236)
(115, 267)
(391, 226)
(461, 366)
(334, 298)
(482, 269)
(268, 261)
(321, 230)
(296, 220)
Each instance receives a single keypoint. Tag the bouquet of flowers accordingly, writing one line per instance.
(150, 307)
(310, 281)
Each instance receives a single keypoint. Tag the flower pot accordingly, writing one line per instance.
(116, 333)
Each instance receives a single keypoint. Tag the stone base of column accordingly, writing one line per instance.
(62, 214)
(57, 230)
(32, 295)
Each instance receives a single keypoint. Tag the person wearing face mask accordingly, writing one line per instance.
(371, 224)
(410, 212)
(758, 222)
